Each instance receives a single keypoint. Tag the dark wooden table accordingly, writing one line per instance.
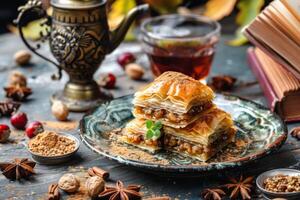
(228, 60)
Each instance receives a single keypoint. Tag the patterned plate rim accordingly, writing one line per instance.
(193, 168)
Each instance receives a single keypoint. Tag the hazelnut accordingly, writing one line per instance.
(60, 110)
(94, 186)
(134, 71)
(22, 57)
(69, 183)
(16, 78)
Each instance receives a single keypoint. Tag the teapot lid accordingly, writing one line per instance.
(76, 4)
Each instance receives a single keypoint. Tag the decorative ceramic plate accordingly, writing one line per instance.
(259, 133)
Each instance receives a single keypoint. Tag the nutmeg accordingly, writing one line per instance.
(94, 186)
(16, 78)
(22, 57)
(134, 71)
(69, 183)
(60, 110)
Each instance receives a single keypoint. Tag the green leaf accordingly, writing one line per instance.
(149, 134)
(157, 133)
(149, 124)
(248, 10)
(158, 125)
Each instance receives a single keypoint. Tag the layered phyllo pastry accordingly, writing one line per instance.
(203, 138)
(174, 99)
(137, 133)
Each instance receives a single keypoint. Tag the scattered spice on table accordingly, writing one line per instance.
(66, 125)
(49, 143)
(8, 107)
(135, 154)
(19, 168)
(296, 133)
(240, 187)
(17, 93)
(131, 192)
(282, 183)
(212, 193)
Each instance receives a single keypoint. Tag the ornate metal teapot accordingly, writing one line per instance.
(79, 40)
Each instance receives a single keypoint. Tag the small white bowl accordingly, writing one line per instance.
(53, 160)
(271, 195)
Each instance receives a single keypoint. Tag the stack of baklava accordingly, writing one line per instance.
(192, 124)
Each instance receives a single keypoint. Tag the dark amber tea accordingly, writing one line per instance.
(180, 43)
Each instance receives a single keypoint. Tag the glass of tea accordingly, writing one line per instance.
(182, 43)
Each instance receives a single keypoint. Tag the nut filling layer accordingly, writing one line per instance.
(170, 116)
(191, 148)
(140, 140)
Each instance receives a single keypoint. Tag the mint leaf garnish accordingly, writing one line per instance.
(153, 129)
(149, 124)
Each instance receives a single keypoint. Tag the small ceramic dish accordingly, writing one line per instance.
(271, 195)
(52, 160)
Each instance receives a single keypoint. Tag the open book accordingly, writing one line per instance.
(281, 88)
(276, 31)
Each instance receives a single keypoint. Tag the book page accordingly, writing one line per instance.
(293, 6)
(284, 20)
(269, 51)
(280, 78)
(276, 40)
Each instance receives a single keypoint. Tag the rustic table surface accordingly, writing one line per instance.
(228, 60)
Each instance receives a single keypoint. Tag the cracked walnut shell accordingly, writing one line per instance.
(69, 183)
(94, 186)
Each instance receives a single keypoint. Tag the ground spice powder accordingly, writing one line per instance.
(50, 143)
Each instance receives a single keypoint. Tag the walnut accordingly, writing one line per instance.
(22, 57)
(60, 111)
(94, 186)
(16, 78)
(134, 71)
(69, 183)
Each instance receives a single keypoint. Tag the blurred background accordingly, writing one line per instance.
(232, 14)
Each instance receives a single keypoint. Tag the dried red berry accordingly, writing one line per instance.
(108, 81)
(4, 132)
(19, 120)
(34, 128)
(125, 59)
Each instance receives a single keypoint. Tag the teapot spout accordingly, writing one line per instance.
(117, 36)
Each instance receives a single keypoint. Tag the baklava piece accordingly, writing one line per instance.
(135, 134)
(203, 138)
(174, 99)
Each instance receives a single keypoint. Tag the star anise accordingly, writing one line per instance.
(8, 107)
(19, 168)
(296, 133)
(240, 187)
(119, 192)
(222, 83)
(17, 93)
(212, 194)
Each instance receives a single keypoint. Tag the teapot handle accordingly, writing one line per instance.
(36, 7)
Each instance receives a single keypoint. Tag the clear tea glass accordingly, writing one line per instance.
(182, 43)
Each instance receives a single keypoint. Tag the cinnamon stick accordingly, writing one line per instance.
(96, 171)
(53, 192)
